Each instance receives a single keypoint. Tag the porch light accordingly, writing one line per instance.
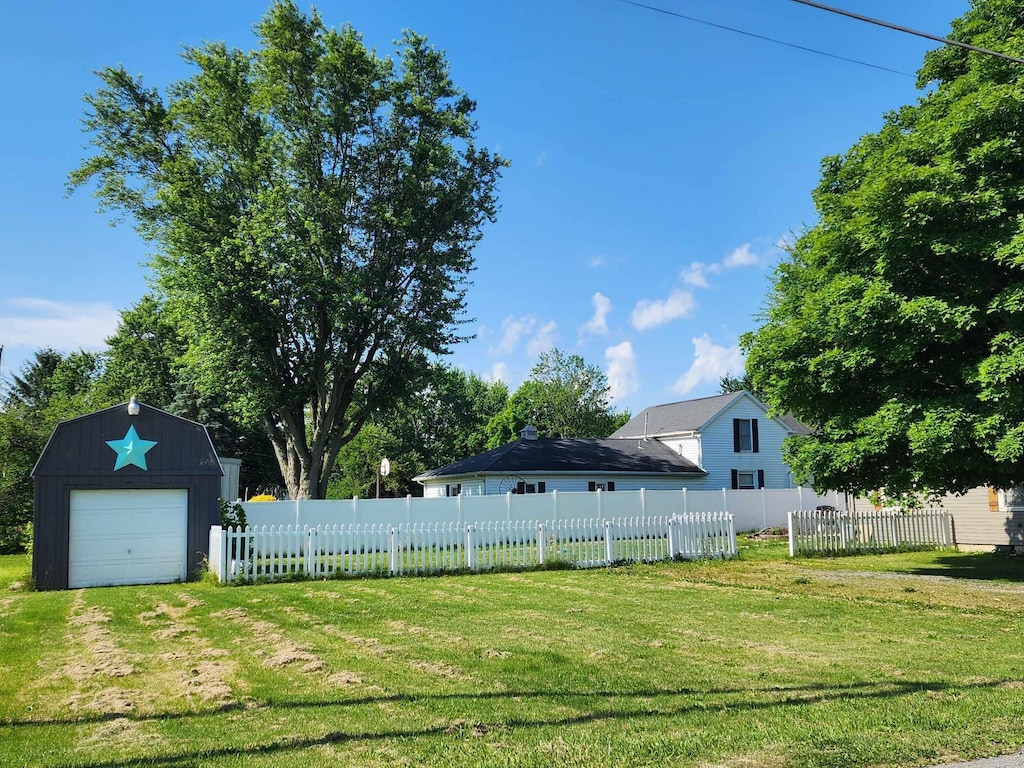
(133, 406)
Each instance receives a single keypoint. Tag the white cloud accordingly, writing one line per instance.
(623, 378)
(597, 261)
(710, 363)
(512, 331)
(697, 273)
(598, 324)
(499, 372)
(741, 257)
(37, 323)
(651, 313)
(543, 340)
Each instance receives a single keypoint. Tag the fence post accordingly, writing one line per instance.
(764, 508)
(469, 548)
(408, 508)
(554, 500)
(893, 534)
(393, 553)
(671, 536)
(600, 506)
(309, 562)
(686, 508)
(643, 502)
(459, 500)
(508, 506)
(792, 534)
(800, 497)
(540, 543)
(608, 542)
(355, 510)
(725, 500)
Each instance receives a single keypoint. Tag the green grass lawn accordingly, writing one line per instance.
(759, 661)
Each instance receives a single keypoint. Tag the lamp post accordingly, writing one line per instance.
(382, 471)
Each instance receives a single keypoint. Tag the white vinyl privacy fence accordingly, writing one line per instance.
(828, 532)
(751, 509)
(269, 552)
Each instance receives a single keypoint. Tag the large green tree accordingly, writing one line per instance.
(51, 387)
(146, 357)
(564, 396)
(895, 326)
(443, 422)
(315, 207)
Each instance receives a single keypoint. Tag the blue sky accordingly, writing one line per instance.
(656, 164)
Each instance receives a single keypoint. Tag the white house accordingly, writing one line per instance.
(731, 437)
(538, 465)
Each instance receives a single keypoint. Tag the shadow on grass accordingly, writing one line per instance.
(608, 706)
(981, 566)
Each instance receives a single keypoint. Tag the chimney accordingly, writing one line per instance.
(528, 432)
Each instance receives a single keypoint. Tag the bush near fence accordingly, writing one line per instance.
(271, 553)
(839, 532)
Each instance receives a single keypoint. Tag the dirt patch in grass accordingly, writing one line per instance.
(370, 644)
(344, 679)
(283, 651)
(433, 634)
(440, 669)
(101, 657)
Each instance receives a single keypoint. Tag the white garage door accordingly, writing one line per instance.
(127, 537)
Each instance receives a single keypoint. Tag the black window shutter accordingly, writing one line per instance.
(447, 490)
(753, 434)
(735, 479)
(542, 487)
(611, 485)
(735, 437)
(760, 478)
(521, 487)
(591, 486)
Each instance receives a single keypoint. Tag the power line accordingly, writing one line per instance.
(764, 37)
(909, 30)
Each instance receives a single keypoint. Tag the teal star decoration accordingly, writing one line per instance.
(132, 449)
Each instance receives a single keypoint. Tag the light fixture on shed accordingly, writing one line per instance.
(133, 406)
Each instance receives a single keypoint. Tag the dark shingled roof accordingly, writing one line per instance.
(573, 455)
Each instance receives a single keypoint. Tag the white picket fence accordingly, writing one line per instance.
(271, 552)
(751, 509)
(830, 531)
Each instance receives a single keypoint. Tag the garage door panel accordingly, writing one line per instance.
(127, 537)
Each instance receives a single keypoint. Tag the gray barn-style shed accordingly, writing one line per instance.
(125, 495)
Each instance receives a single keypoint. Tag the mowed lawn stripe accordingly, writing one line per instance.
(752, 662)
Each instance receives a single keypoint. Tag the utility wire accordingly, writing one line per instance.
(764, 37)
(908, 30)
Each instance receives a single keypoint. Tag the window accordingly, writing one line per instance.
(453, 490)
(747, 480)
(524, 487)
(744, 436)
(609, 486)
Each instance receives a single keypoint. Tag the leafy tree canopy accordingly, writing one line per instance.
(896, 324)
(563, 397)
(315, 207)
(51, 387)
(443, 422)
